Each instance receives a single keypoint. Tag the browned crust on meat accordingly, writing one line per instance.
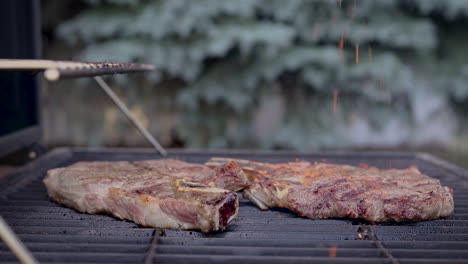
(156, 193)
(321, 190)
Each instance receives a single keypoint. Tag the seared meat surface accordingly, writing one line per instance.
(157, 193)
(320, 190)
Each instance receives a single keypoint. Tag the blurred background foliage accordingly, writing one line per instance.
(264, 73)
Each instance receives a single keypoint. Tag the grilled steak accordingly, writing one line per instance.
(320, 190)
(156, 193)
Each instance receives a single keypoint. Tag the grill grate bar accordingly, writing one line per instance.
(45, 230)
(319, 236)
(455, 220)
(72, 223)
(152, 248)
(175, 258)
(50, 240)
(248, 251)
(371, 236)
(94, 239)
(240, 226)
(31, 220)
(53, 216)
(61, 257)
(84, 247)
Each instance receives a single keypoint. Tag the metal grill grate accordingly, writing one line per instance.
(57, 234)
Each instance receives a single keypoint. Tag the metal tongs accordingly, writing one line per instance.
(57, 70)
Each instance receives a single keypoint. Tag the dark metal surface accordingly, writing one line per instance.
(20, 120)
(56, 234)
(20, 139)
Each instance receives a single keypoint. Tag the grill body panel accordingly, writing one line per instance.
(56, 234)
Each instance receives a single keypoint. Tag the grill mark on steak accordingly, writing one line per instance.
(321, 190)
(163, 190)
(225, 176)
(192, 185)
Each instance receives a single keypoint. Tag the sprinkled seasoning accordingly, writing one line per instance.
(341, 43)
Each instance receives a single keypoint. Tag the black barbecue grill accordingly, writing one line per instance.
(56, 234)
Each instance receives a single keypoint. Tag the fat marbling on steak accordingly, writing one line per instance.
(321, 190)
(157, 193)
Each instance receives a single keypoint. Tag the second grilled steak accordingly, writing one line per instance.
(320, 190)
(156, 193)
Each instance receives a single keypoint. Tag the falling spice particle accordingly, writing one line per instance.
(332, 251)
(341, 43)
(357, 53)
(369, 52)
(335, 99)
(315, 34)
(359, 236)
(340, 2)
